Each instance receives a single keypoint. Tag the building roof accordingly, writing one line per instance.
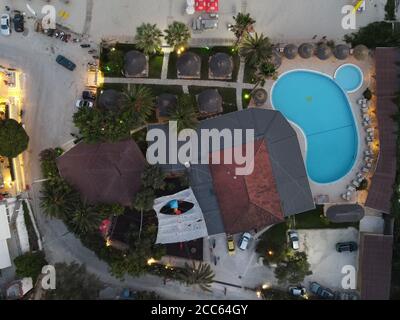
(221, 65)
(110, 100)
(164, 103)
(375, 261)
(360, 52)
(387, 84)
(345, 213)
(284, 154)
(104, 172)
(210, 101)
(306, 50)
(135, 63)
(260, 96)
(323, 51)
(189, 65)
(276, 59)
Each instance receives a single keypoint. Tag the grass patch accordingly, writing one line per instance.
(155, 61)
(315, 219)
(228, 96)
(248, 76)
(33, 239)
(245, 100)
(205, 54)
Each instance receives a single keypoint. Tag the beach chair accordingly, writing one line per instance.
(369, 129)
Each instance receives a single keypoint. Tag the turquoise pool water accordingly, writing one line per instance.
(349, 77)
(317, 104)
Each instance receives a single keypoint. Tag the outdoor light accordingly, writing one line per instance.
(179, 51)
(151, 261)
(182, 49)
(270, 252)
(265, 286)
(247, 96)
(258, 293)
(108, 242)
(113, 49)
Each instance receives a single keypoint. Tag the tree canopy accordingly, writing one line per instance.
(13, 138)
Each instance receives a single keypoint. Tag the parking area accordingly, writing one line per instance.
(326, 263)
(241, 269)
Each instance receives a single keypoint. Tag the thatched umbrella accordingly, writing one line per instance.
(290, 51)
(221, 65)
(210, 101)
(165, 103)
(189, 65)
(360, 52)
(260, 96)
(306, 50)
(110, 100)
(341, 51)
(135, 64)
(323, 51)
(276, 59)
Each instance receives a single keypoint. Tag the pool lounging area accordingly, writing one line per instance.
(319, 106)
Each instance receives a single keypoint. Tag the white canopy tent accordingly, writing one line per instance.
(187, 226)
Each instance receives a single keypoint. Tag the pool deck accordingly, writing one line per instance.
(335, 189)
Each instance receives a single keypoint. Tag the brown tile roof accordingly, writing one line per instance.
(375, 263)
(104, 172)
(387, 78)
(247, 202)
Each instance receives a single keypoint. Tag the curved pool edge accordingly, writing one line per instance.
(303, 133)
(359, 70)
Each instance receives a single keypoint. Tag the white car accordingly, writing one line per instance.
(244, 241)
(5, 25)
(84, 103)
(294, 239)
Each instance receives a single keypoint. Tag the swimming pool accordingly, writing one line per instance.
(320, 107)
(349, 77)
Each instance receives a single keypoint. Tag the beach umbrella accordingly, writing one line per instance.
(360, 52)
(323, 51)
(189, 65)
(165, 103)
(221, 65)
(260, 96)
(135, 63)
(306, 50)
(341, 51)
(210, 101)
(290, 51)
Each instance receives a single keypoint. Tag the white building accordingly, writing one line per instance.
(5, 260)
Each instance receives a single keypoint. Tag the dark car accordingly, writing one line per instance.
(320, 291)
(66, 63)
(19, 22)
(346, 246)
(88, 95)
(346, 295)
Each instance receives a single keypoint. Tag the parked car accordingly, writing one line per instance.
(346, 295)
(5, 24)
(244, 240)
(320, 291)
(84, 104)
(298, 291)
(19, 22)
(88, 95)
(346, 246)
(66, 63)
(231, 245)
(294, 239)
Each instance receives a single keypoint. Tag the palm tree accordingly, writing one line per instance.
(140, 100)
(148, 38)
(85, 218)
(264, 71)
(255, 50)
(153, 177)
(177, 35)
(200, 275)
(144, 201)
(184, 113)
(58, 198)
(243, 23)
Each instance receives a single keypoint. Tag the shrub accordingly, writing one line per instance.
(13, 138)
(367, 94)
(30, 265)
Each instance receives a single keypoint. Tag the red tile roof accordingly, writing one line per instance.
(375, 266)
(247, 202)
(387, 81)
(104, 172)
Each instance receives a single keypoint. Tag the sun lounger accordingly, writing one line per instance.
(370, 129)
(355, 183)
(366, 117)
(365, 169)
(368, 153)
(351, 188)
